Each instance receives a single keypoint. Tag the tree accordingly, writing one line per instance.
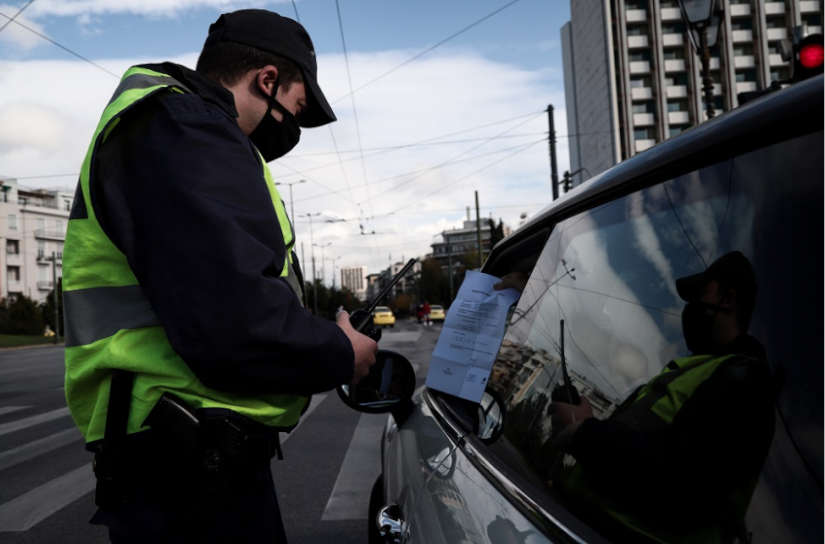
(21, 315)
(434, 283)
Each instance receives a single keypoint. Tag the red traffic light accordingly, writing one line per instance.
(811, 55)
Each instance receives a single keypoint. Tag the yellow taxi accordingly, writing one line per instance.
(437, 312)
(383, 317)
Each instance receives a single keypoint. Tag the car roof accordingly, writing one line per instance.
(382, 309)
(772, 118)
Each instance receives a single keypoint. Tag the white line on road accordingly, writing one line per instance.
(32, 507)
(38, 447)
(351, 495)
(12, 426)
(313, 404)
(9, 409)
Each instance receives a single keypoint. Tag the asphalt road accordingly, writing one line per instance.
(46, 483)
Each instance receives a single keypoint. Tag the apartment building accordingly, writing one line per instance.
(32, 227)
(355, 279)
(632, 78)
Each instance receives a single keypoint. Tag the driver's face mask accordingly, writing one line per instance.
(275, 138)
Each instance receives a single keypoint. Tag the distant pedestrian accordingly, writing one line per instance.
(426, 310)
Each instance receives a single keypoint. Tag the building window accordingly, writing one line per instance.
(677, 105)
(643, 55)
(742, 24)
(646, 133)
(673, 28)
(675, 130)
(743, 49)
(676, 79)
(675, 53)
(12, 247)
(746, 75)
(643, 107)
(13, 273)
(639, 82)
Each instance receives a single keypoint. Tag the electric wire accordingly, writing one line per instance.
(61, 46)
(352, 99)
(294, 7)
(13, 17)
(429, 49)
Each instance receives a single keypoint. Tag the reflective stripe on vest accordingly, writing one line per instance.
(652, 408)
(111, 325)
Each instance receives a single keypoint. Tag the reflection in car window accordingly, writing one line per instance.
(610, 274)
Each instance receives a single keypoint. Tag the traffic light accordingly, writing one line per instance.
(807, 57)
(567, 181)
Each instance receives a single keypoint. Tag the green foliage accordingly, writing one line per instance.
(21, 315)
(434, 284)
(329, 300)
(401, 305)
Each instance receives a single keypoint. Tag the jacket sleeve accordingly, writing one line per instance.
(180, 191)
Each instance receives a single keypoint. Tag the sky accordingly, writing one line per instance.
(411, 145)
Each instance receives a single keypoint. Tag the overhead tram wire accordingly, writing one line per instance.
(13, 17)
(427, 169)
(354, 109)
(331, 133)
(61, 46)
(427, 50)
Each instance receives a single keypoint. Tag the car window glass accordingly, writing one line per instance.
(610, 274)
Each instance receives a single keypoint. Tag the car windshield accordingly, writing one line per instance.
(436, 307)
(382, 309)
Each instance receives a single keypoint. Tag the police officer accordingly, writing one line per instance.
(679, 460)
(187, 347)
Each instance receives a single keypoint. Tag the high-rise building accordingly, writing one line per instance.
(32, 228)
(355, 279)
(633, 79)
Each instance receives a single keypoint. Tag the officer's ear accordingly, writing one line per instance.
(266, 80)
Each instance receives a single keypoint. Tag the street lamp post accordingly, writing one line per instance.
(702, 20)
(291, 200)
(323, 262)
(311, 238)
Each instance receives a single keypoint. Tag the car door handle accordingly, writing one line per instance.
(391, 525)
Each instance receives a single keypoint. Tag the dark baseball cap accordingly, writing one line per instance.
(268, 31)
(733, 270)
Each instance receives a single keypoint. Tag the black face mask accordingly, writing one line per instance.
(275, 138)
(697, 326)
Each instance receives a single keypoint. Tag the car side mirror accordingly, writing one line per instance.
(388, 387)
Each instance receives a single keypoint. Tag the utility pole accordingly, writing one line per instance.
(478, 235)
(311, 238)
(291, 200)
(323, 261)
(554, 172)
(56, 311)
(449, 262)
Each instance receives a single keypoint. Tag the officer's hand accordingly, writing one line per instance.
(363, 347)
(513, 280)
(570, 414)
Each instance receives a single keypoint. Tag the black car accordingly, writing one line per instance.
(604, 260)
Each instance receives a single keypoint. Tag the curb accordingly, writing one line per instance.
(33, 346)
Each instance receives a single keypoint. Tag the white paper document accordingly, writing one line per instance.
(470, 337)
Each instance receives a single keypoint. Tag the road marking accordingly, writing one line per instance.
(38, 447)
(313, 404)
(12, 426)
(9, 409)
(351, 494)
(401, 336)
(32, 507)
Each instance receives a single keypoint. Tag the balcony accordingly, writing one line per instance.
(774, 8)
(775, 59)
(46, 234)
(740, 10)
(717, 89)
(641, 145)
(677, 91)
(775, 34)
(714, 63)
(809, 6)
(643, 120)
(678, 117)
(745, 86)
(44, 285)
(636, 42)
(675, 65)
(640, 67)
(744, 61)
(636, 15)
(671, 14)
(740, 36)
(813, 29)
(641, 93)
(672, 39)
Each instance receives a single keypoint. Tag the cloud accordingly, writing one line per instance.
(33, 127)
(135, 7)
(14, 34)
(408, 196)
